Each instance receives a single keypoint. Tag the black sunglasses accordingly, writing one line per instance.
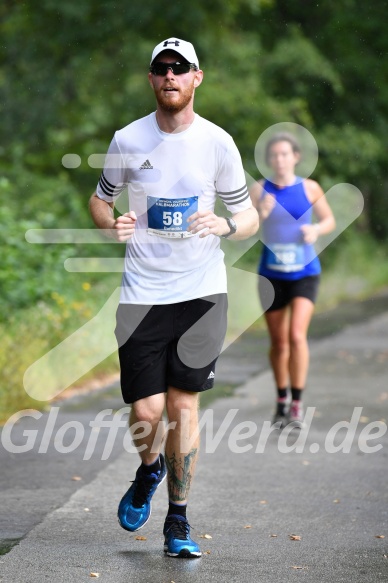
(161, 68)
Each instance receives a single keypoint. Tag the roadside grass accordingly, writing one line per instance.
(30, 333)
(7, 544)
(358, 270)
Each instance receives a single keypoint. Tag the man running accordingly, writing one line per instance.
(171, 320)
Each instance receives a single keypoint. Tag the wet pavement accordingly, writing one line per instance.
(278, 506)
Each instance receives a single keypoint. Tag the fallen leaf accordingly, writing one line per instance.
(336, 501)
(76, 478)
(94, 574)
(380, 536)
(248, 526)
(140, 537)
(273, 535)
(295, 537)
(263, 502)
(305, 463)
(207, 552)
(299, 567)
(205, 536)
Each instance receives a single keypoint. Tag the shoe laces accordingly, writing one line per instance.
(178, 527)
(296, 409)
(144, 484)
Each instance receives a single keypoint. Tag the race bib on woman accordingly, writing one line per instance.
(167, 217)
(285, 257)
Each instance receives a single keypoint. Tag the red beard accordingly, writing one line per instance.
(176, 105)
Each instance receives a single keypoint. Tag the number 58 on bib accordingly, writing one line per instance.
(167, 217)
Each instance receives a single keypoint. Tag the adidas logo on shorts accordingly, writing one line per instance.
(211, 375)
(146, 165)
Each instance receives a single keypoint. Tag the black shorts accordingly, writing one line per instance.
(286, 290)
(170, 345)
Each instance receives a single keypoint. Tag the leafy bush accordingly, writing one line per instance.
(31, 272)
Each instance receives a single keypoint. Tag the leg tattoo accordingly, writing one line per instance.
(180, 475)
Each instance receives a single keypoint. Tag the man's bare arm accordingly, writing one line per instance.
(121, 228)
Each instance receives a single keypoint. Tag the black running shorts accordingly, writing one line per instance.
(286, 290)
(173, 345)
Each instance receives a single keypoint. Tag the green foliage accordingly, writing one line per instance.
(348, 153)
(350, 107)
(31, 272)
(357, 270)
(71, 73)
(29, 333)
(297, 69)
(24, 276)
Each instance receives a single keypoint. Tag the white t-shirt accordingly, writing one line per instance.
(169, 177)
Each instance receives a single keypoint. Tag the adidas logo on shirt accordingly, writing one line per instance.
(146, 165)
(211, 375)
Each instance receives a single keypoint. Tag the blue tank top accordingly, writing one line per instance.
(285, 255)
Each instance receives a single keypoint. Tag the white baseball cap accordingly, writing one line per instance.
(184, 48)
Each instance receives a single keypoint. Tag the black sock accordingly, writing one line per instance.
(179, 509)
(282, 393)
(151, 468)
(282, 399)
(296, 394)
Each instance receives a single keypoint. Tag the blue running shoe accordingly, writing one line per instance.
(135, 506)
(177, 541)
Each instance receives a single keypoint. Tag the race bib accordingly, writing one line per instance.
(167, 217)
(285, 257)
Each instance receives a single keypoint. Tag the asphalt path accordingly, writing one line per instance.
(278, 506)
